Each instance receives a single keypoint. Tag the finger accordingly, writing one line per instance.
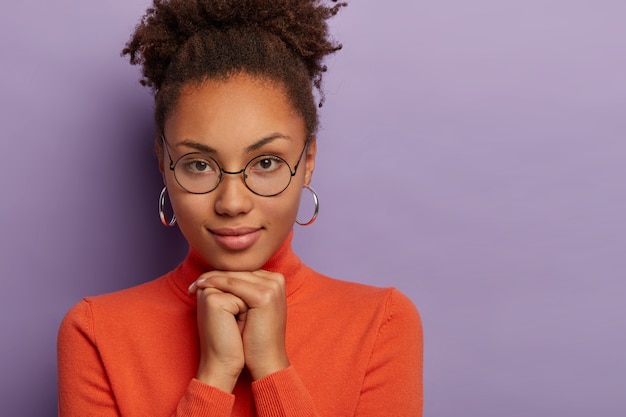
(259, 277)
(193, 287)
(204, 281)
(215, 299)
(255, 289)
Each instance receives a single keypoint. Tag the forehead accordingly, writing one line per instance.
(233, 113)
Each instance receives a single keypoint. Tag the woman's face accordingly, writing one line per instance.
(233, 121)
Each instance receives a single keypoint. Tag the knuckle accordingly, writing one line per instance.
(267, 296)
(278, 277)
(214, 301)
(209, 295)
(277, 287)
(231, 281)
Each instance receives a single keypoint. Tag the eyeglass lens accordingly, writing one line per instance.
(264, 175)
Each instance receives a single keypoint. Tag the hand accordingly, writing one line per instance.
(221, 345)
(260, 311)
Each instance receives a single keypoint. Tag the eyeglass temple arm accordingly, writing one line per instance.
(167, 150)
(295, 169)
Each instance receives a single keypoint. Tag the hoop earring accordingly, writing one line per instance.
(162, 212)
(317, 207)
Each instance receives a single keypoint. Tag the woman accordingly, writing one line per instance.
(241, 327)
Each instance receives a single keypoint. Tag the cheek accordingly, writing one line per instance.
(190, 208)
(186, 205)
(281, 210)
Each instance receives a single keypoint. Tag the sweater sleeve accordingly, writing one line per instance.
(84, 387)
(392, 385)
(282, 394)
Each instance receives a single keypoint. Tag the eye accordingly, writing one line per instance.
(267, 164)
(198, 166)
(194, 164)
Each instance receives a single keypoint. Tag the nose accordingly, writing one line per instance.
(232, 196)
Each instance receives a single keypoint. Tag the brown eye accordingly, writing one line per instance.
(267, 164)
(198, 165)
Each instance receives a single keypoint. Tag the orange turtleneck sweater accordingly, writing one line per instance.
(355, 350)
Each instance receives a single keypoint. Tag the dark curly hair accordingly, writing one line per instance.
(182, 42)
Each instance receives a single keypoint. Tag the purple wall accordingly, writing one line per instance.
(472, 155)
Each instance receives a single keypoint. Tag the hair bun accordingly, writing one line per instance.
(169, 24)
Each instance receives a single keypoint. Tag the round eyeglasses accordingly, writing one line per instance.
(266, 175)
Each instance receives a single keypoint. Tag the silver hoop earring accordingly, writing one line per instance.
(317, 207)
(162, 212)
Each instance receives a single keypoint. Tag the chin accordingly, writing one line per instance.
(237, 262)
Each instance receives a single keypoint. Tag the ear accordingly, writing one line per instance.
(160, 151)
(309, 160)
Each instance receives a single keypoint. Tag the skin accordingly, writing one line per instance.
(241, 308)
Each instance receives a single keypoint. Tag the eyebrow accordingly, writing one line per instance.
(255, 146)
(268, 139)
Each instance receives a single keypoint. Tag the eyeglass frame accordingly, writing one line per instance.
(172, 167)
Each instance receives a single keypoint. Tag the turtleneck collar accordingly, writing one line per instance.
(284, 261)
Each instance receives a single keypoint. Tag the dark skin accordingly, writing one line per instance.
(255, 338)
(242, 309)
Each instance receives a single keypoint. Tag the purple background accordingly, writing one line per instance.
(472, 155)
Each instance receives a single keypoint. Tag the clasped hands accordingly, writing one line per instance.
(241, 322)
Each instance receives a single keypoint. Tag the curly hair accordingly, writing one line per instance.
(182, 42)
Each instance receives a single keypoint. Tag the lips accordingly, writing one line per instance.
(235, 239)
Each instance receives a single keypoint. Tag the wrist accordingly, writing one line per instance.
(268, 368)
(223, 380)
